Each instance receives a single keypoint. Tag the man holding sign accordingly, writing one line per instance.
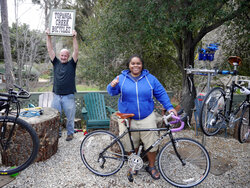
(64, 85)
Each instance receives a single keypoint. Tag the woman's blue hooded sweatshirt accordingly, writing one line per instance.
(137, 96)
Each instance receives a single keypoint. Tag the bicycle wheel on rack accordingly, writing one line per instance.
(20, 150)
(212, 113)
(195, 157)
(243, 126)
(99, 156)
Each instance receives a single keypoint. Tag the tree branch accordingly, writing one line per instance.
(215, 25)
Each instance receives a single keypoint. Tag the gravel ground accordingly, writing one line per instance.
(65, 168)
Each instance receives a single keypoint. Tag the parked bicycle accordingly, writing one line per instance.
(217, 108)
(17, 136)
(183, 162)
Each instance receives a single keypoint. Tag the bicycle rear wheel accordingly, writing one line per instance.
(196, 163)
(212, 112)
(99, 156)
(20, 150)
(243, 126)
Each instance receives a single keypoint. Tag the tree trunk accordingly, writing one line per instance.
(18, 53)
(6, 45)
(188, 95)
(189, 91)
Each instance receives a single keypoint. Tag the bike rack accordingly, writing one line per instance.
(203, 72)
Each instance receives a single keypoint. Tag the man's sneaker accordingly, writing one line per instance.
(69, 137)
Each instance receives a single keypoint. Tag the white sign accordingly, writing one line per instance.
(62, 22)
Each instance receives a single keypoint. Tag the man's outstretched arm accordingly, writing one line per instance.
(51, 52)
(75, 46)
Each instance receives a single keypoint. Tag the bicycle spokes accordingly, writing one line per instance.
(19, 145)
(195, 158)
(100, 154)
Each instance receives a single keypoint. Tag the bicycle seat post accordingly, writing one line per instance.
(235, 64)
(126, 122)
(235, 61)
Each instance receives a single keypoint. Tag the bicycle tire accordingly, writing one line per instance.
(90, 150)
(22, 148)
(211, 117)
(243, 126)
(197, 163)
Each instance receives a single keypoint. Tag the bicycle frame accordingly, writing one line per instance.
(229, 112)
(158, 141)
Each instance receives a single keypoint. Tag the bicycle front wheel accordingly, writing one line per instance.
(194, 167)
(99, 155)
(213, 112)
(243, 126)
(19, 145)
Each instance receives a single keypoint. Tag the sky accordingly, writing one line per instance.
(28, 13)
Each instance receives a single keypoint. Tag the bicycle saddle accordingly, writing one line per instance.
(234, 59)
(124, 115)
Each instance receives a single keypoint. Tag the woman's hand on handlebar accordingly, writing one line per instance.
(173, 111)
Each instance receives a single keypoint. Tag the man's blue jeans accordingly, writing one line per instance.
(67, 104)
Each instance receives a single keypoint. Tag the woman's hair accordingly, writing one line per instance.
(131, 57)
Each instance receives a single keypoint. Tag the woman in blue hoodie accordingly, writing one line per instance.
(137, 87)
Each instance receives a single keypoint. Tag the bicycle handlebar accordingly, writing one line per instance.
(177, 119)
(208, 71)
(21, 93)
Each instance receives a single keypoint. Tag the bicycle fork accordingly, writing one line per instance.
(3, 135)
(175, 149)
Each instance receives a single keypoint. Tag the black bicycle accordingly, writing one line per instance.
(183, 162)
(19, 143)
(217, 107)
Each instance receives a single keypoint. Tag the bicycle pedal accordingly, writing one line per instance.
(130, 177)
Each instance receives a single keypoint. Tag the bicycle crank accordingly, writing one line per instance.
(135, 162)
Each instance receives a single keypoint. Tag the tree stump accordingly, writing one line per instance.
(47, 129)
(113, 126)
